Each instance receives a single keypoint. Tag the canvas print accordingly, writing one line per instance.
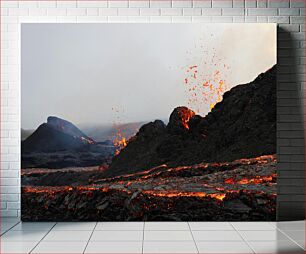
(148, 122)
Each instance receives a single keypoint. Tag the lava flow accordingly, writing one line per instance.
(245, 187)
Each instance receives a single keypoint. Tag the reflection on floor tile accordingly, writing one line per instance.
(7, 225)
(101, 236)
(167, 236)
(33, 226)
(60, 247)
(297, 235)
(114, 247)
(17, 247)
(211, 226)
(169, 247)
(166, 226)
(152, 237)
(223, 247)
(22, 236)
(63, 226)
(253, 226)
(120, 226)
(291, 225)
(216, 236)
(276, 247)
(273, 235)
(67, 236)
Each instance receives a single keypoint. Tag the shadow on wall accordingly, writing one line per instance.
(290, 129)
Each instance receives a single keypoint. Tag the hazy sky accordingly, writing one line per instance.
(81, 71)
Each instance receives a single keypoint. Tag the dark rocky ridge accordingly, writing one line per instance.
(59, 144)
(242, 125)
(55, 135)
(68, 128)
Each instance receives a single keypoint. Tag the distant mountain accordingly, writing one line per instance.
(59, 144)
(68, 128)
(56, 135)
(242, 125)
(102, 132)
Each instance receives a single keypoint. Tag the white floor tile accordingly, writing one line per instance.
(291, 225)
(167, 236)
(69, 236)
(166, 226)
(63, 226)
(101, 236)
(216, 236)
(297, 236)
(223, 247)
(211, 226)
(33, 226)
(276, 247)
(23, 236)
(17, 247)
(9, 220)
(114, 247)
(5, 226)
(60, 247)
(169, 247)
(253, 225)
(119, 226)
(274, 235)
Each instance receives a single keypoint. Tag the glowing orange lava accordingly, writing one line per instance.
(171, 194)
(120, 141)
(206, 83)
(185, 115)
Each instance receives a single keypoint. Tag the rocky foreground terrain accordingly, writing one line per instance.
(241, 190)
(242, 125)
(217, 167)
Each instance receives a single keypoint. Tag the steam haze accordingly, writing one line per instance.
(82, 72)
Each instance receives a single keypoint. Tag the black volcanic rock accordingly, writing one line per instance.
(179, 120)
(242, 125)
(48, 139)
(59, 144)
(68, 128)
(56, 135)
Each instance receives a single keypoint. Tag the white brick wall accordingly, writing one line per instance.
(288, 13)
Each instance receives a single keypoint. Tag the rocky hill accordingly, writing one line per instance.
(55, 135)
(59, 144)
(242, 125)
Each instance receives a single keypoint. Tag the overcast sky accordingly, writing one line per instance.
(81, 71)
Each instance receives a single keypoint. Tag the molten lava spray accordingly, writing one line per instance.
(205, 88)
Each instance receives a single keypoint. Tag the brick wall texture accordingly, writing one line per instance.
(289, 14)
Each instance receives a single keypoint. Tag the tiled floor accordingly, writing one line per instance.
(152, 237)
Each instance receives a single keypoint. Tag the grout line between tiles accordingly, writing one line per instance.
(273, 225)
(193, 238)
(90, 237)
(42, 238)
(246, 242)
(290, 238)
(143, 231)
(10, 228)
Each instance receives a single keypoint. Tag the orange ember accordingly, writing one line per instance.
(206, 86)
(119, 141)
